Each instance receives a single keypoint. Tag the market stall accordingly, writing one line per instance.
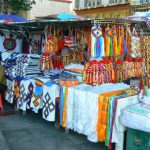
(84, 63)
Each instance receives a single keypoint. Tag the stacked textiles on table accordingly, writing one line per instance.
(60, 75)
(23, 66)
(10, 65)
(75, 70)
(53, 74)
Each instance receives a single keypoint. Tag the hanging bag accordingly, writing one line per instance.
(135, 45)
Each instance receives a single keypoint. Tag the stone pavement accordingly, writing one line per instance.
(31, 132)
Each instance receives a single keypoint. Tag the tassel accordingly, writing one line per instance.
(115, 45)
(102, 51)
(124, 46)
(97, 42)
(111, 47)
(120, 46)
(108, 42)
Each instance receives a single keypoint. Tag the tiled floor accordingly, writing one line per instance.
(31, 132)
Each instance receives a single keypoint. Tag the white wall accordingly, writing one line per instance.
(72, 7)
(46, 7)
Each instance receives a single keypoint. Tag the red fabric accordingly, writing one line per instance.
(1, 104)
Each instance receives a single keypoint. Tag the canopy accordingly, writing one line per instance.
(62, 16)
(11, 18)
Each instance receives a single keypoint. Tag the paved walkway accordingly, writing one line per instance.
(31, 132)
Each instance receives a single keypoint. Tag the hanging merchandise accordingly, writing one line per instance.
(36, 40)
(145, 47)
(122, 47)
(57, 62)
(135, 45)
(97, 42)
(108, 70)
(108, 41)
(86, 36)
(69, 40)
(119, 70)
(45, 62)
(115, 42)
(132, 68)
(61, 41)
(78, 35)
(10, 42)
(51, 43)
(128, 39)
(99, 72)
(9, 95)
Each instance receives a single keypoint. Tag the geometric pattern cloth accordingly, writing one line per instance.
(10, 91)
(25, 94)
(50, 92)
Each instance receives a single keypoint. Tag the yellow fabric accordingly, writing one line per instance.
(107, 45)
(65, 109)
(102, 113)
(67, 84)
(2, 75)
(115, 45)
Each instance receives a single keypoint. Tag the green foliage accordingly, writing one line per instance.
(18, 5)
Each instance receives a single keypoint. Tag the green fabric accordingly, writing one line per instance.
(2, 75)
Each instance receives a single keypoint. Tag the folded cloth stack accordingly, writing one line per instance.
(10, 65)
(136, 117)
(53, 74)
(75, 70)
(27, 66)
(23, 66)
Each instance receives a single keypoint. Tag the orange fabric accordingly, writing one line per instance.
(68, 83)
(102, 113)
(65, 108)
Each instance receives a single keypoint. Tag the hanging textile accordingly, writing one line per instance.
(97, 42)
(10, 91)
(50, 93)
(69, 40)
(108, 42)
(115, 42)
(122, 47)
(128, 39)
(27, 88)
(119, 70)
(45, 62)
(61, 41)
(145, 47)
(35, 100)
(135, 45)
(51, 44)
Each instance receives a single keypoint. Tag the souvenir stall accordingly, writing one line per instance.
(85, 65)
